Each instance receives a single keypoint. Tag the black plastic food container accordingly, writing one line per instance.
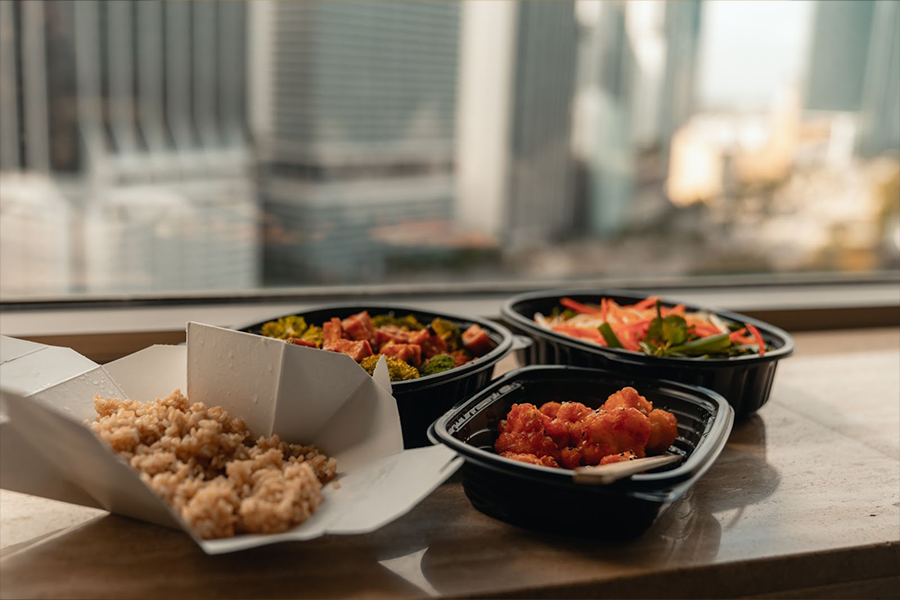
(421, 401)
(745, 381)
(545, 498)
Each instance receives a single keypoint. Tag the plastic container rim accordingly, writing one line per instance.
(717, 430)
(483, 362)
(509, 311)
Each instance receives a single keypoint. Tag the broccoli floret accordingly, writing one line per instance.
(449, 332)
(438, 364)
(369, 363)
(408, 321)
(284, 328)
(399, 370)
(313, 334)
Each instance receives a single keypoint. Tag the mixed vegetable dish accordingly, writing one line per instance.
(653, 329)
(411, 349)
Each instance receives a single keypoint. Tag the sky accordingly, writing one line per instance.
(750, 51)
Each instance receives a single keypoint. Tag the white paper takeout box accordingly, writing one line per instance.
(302, 394)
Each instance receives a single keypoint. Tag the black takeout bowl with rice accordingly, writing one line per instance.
(421, 401)
(745, 381)
(547, 498)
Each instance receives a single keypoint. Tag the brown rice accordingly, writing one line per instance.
(209, 467)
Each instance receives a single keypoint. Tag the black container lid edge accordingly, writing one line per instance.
(718, 430)
(509, 311)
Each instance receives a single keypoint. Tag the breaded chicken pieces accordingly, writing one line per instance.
(663, 425)
(615, 458)
(524, 433)
(663, 431)
(544, 461)
(559, 428)
(570, 434)
(628, 398)
(610, 432)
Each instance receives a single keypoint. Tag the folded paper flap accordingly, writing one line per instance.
(382, 375)
(44, 367)
(86, 462)
(13, 348)
(312, 387)
(367, 427)
(235, 370)
(151, 373)
(245, 542)
(281, 388)
(24, 469)
(74, 397)
(385, 490)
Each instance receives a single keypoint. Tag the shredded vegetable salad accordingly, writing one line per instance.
(651, 328)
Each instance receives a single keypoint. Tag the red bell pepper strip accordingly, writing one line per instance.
(760, 343)
(675, 310)
(706, 330)
(635, 324)
(736, 336)
(628, 340)
(741, 337)
(578, 332)
(645, 303)
(579, 307)
(637, 328)
(613, 310)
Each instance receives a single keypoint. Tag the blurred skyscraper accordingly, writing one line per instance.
(637, 65)
(514, 156)
(841, 36)
(356, 130)
(606, 103)
(134, 113)
(556, 101)
(541, 195)
(880, 117)
(855, 68)
(682, 39)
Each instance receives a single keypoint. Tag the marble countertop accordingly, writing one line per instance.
(804, 501)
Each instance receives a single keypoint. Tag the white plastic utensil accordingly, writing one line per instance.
(605, 474)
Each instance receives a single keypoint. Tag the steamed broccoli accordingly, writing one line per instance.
(399, 370)
(369, 363)
(408, 321)
(447, 331)
(438, 364)
(284, 328)
(314, 335)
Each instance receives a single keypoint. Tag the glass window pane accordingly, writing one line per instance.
(165, 148)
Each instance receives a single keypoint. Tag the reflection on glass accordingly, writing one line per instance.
(409, 567)
(191, 146)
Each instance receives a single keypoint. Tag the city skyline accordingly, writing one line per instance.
(185, 146)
